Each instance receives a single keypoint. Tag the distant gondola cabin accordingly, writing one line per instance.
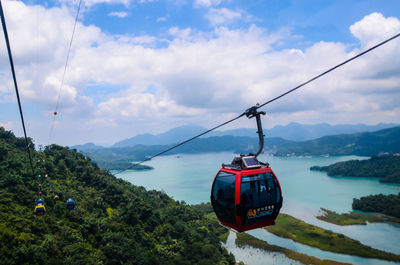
(40, 209)
(70, 204)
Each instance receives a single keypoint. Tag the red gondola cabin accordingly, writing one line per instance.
(248, 196)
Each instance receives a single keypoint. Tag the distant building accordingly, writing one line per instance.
(396, 154)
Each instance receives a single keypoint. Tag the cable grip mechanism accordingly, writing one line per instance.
(250, 113)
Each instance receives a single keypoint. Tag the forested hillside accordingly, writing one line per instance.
(386, 204)
(114, 221)
(387, 168)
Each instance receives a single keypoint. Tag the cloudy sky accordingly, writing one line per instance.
(140, 66)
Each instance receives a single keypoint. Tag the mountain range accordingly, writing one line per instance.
(385, 141)
(362, 144)
(237, 144)
(292, 131)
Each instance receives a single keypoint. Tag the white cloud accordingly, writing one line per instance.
(142, 40)
(8, 126)
(222, 16)
(131, 104)
(95, 2)
(161, 19)
(197, 77)
(118, 14)
(374, 28)
(206, 3)
(110, 2)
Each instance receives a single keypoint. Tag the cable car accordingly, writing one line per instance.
(246, 194)
(70, 204)
(51, 191)
(40, 209)
(56, 198)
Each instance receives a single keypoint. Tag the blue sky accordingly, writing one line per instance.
(140, 66)
(312, 20)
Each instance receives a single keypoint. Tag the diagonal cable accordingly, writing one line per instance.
(65, 69)
(181, 143)
(3, 22)
(330, 70)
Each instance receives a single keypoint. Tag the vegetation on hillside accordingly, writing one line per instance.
(387, 168)
(362, 144)
(299, 231)
(386, 204)
(114, 221)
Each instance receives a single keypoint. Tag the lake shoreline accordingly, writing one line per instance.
(289, 227)
(186, 179)
(243, 239)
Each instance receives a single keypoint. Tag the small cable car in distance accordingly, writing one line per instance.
(40, 209)
(70, 204)
(246, 194)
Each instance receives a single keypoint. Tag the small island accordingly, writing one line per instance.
(355, 218)
(386, 168)
(384, 204)
(380, 208)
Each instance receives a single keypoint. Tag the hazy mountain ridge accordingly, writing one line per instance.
(362, 144)
(172, 136)
(292, 131)
(304, 132)
(228, 143)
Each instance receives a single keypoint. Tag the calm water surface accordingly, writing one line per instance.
(256, 256)
(189, 178)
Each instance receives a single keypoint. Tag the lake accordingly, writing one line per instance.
(189, 178)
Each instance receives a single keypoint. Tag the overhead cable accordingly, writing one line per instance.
(182, 143)
(65, 69)
(3, 22)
